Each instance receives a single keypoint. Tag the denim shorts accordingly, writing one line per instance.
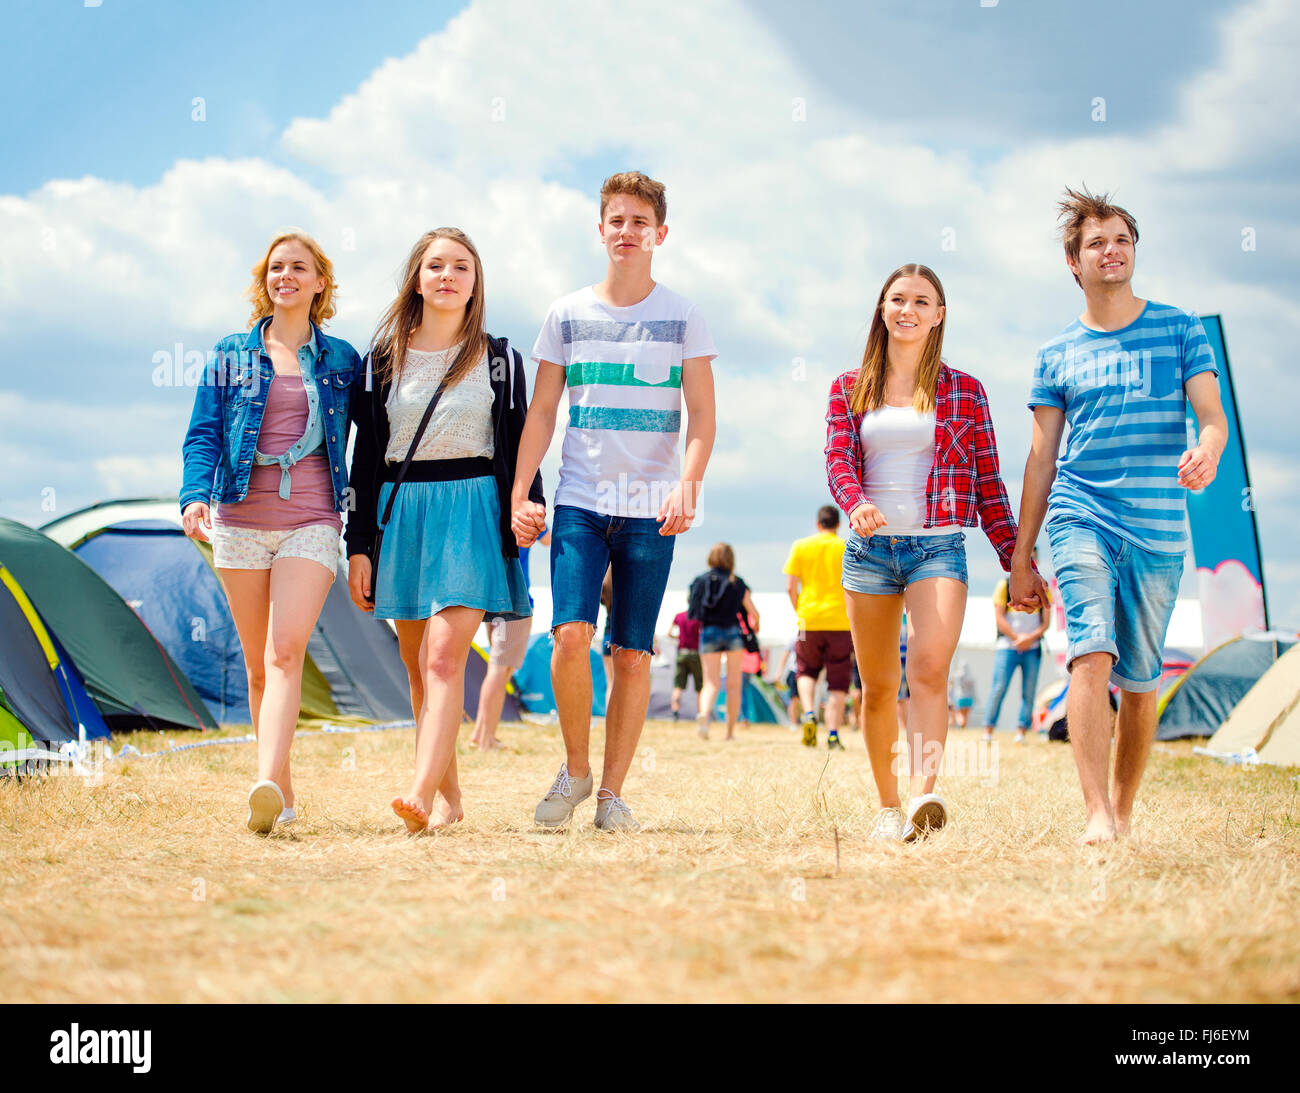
(583, 545)
(1118, 599)
(721, 639)
(884, 564)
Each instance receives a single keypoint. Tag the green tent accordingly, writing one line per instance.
(128, 675)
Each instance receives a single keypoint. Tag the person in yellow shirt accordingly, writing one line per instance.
(813, 580)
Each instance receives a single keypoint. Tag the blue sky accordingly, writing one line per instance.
(132, 225)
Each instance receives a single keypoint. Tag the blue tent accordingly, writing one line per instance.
(352, 668)
(534, 679)
(170, 585)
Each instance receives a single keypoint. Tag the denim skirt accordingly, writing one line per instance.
(442, 548)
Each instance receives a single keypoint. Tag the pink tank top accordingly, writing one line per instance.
(311, 490)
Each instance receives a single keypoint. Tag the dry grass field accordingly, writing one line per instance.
(145, 886)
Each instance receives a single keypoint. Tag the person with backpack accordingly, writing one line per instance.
(717, 600)
(265, 450)
(438, 416)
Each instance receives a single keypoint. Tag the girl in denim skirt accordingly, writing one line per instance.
(266, 445)
(911, 459)
(447, 556)
(717, 598)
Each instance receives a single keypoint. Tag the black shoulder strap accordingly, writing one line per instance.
(410, 454)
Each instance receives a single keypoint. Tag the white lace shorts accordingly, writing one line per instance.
(253, 548)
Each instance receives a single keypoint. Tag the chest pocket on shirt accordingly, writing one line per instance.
(956, 442)
(652, 371)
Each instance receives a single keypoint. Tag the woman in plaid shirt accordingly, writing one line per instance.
(911, 459)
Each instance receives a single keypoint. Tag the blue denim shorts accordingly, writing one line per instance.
(721, 639)
(583, 545)
(1118, 599)
(884, 564)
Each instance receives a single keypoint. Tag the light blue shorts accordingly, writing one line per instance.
(884, 565)
(1118, 599)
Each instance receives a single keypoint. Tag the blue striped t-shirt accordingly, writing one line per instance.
(1122, 393)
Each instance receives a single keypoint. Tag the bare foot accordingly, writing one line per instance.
(1100, 829)
(412, 814)
(489, 745)
(445, 814)
(1121, 826)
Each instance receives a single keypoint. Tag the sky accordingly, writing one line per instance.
(153, 148)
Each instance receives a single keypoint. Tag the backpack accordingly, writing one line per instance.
(707, 591)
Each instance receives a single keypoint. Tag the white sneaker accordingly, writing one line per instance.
(613, 815)
(888, 826)
(926, 815)
(565, 794)
(265, 803)
(288, 816)
(702, 729)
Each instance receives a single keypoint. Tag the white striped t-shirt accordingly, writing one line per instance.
(623, 368)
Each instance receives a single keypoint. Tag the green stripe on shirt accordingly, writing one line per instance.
(616, 375)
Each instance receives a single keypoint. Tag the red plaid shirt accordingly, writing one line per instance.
(965, 483)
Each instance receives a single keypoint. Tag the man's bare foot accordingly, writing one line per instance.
(412, 813)
(1121, 826)
(445, 814)
(489, 745)
(1100, 829)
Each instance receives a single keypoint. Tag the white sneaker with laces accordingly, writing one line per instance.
(888, 826)
(565, 794)
(612, 814)
(926, 815)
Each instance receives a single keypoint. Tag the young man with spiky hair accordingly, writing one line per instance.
(1121, 376)
(629, 350)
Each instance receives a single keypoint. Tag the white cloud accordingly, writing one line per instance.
(780, 228)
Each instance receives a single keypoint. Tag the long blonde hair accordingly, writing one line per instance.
(322, 304)
(869, 385)
(404, 314)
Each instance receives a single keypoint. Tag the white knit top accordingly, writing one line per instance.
(461, 426)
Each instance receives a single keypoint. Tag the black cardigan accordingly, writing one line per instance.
(368, 413)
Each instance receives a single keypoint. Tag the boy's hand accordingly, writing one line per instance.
(678, 510)
(1197, 468)
(527, 521)
(1026, 588)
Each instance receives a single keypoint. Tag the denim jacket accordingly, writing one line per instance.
(229, 403)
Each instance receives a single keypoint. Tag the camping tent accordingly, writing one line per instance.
(1201, 699)
(127, 673)
(43, 702)
(1266, 719)
(352, 668)
(534, 679)
(759, 702)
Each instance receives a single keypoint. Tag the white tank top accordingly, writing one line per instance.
(897, 454)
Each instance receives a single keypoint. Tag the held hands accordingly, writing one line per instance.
(678, 510)
(1026, 589)
(359, 582)
(195, 519)
(866, 519)
(1197, 468)
(527, 521)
